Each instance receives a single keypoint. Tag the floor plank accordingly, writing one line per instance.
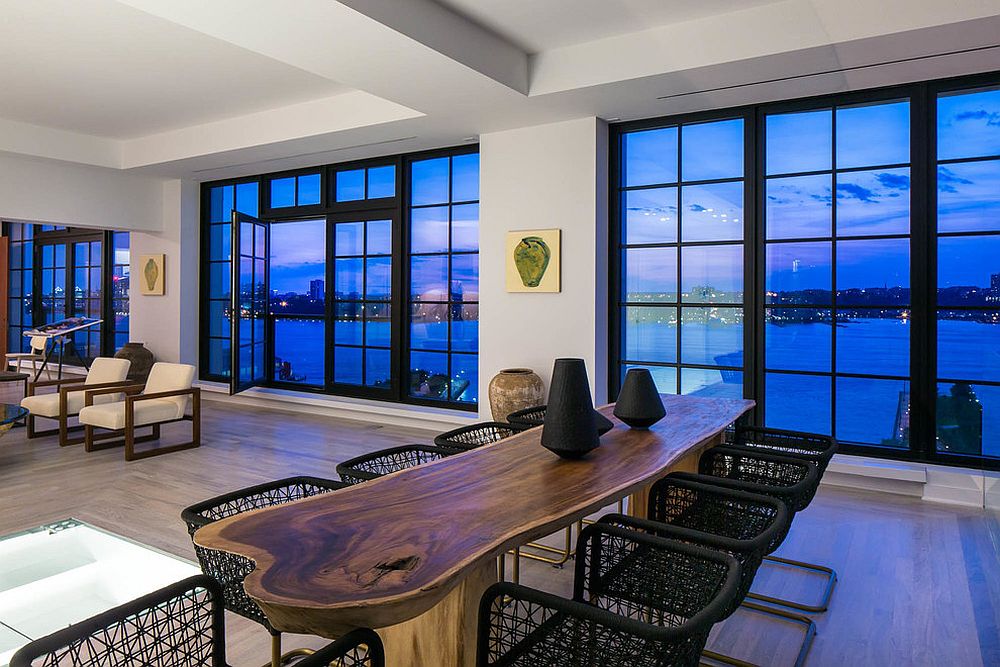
(919, 582)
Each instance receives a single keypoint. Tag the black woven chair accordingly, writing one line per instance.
(818, 449)
(744, 525)
(181, 625)
(231, 569)
(529, 417)
(469, 437)
(385, 461)
(652, 618)
(791, 480)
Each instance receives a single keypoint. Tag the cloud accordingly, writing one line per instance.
(992, 118)
(697, 208)
(947, 180)
(894, 181)
(853, 190)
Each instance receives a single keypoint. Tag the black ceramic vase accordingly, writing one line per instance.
(639, 404)
(570, 428)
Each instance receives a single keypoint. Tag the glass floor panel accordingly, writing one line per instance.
(64, 572)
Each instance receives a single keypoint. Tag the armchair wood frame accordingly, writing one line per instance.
(64, 387)
(133, 394)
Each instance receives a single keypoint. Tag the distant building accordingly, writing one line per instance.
(993, 295)
(317, 290)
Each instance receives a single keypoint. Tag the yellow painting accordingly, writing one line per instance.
(532, 261)
(151, 275)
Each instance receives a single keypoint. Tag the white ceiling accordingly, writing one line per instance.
(540, 25)
(219, 88)
(101, 68)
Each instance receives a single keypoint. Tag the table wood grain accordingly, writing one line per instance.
(386, 551)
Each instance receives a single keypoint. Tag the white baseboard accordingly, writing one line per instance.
(943, 484)
(390, 414)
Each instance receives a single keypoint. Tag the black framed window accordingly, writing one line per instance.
(968, 272)
(681, 253)
(340, 272)
(870, 246)
(444, 278)
(294, 190)
(21, 288)
(58, 272)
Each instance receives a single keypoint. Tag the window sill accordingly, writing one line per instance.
(357, 409)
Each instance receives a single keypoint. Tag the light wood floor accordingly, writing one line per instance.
(919, 584)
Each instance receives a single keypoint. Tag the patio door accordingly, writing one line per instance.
(249, 342)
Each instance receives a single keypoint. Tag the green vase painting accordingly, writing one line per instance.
(531, 257)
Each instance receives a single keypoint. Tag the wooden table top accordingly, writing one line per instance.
(385, 551)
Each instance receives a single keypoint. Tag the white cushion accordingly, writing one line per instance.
(112, 415)
(104, 369)
(108, 369)
(170, 377)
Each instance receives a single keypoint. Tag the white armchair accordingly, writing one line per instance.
(68, 398)
(162, 400)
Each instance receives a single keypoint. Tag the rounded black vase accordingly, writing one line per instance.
(639, 404)
(570, 427)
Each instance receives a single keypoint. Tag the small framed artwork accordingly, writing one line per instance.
(533, 260)
(151, 275)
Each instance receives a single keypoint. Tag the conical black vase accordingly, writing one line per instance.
(639, 404)
(570, 428)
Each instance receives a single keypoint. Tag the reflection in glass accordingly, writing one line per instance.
(246, 199)
(379, 237)
(348, 278)
(873, 271)
(800, 141)
(347, 365)
(798, 339)
(968, 271)
(711, 383)
(650, 216)
(858, 124)
(969, 345)
(711, 337)
(798, 207)
(650, 274)
(873, 341)
(650, 157)
(378, 278)
(968, 124)
(465, 328)
(350, 185)
(712, 274)
(309, 189)
(349, 238)
(429, 182)
(378, 324)
(969, 196)
(650, 334)
(465, 277)
(429, 375)
(968, 419)
(797, 402)
(381, 182)
(299, 347)
(348, 327)
(873, 412)
(429, 278)
(465, 177)
(799, 273)
(665, 377)
(429, 229)
(465, 378)
(429, 326)
(712, 212)
(465, 227)
(873, 202)
(712, 150)
(283, 192)
(377, 367)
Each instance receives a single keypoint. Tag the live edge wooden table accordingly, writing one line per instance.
(410, 554)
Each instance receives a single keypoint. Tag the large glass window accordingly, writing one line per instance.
(346, 292)
(872, 233)
(837, 291)
(968, 277)
(681, 256)
(444, 278)
(58, 272)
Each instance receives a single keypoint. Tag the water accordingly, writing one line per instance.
(866, 409)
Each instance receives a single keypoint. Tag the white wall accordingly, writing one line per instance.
(38, 190)
(547, 176)
(168, 324)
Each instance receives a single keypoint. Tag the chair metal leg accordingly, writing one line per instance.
(828, 573)
(562, 555)
(807, 640)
